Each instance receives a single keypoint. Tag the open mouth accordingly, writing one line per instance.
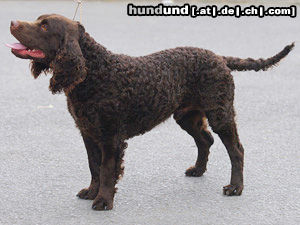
(22, 51)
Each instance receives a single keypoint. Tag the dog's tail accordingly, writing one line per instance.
(260, 64)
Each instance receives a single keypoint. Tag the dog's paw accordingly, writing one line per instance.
(101, 203)
(231, 190)
(195, 171)
(87, 193)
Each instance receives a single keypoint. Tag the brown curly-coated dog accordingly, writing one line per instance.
(114, 97)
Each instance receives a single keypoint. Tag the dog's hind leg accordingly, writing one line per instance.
(94, 158)
(194, 123)
(222, 122)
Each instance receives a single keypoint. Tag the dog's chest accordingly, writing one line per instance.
(91, 115)
(83, 114)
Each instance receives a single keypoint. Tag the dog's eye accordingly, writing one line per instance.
(44, 27)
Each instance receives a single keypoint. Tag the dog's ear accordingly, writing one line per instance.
(68, 66)
(38, 67)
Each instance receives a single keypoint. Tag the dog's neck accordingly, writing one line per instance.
(93, 52)
(97, 65)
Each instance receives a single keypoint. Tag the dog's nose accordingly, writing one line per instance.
(14, 24)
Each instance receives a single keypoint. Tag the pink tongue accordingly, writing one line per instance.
(18, 46)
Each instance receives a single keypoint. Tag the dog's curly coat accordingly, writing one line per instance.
(114, 97)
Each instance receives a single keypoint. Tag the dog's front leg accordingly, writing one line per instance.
(95, 158)
(110, 170)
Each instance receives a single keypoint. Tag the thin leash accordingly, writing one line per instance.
(79, 5)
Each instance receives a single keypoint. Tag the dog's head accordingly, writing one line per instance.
(51, 43)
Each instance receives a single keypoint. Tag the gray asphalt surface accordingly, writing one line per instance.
(43, 163)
